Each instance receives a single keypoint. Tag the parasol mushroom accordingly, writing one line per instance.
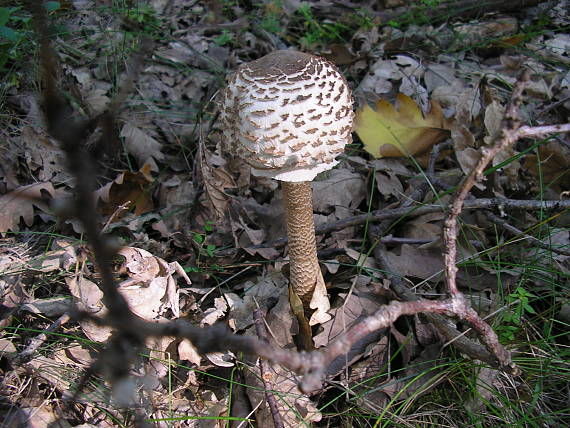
(288, 115)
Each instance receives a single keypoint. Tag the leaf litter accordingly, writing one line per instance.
(456, 96)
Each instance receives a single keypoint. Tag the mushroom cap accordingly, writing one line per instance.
(288, 115)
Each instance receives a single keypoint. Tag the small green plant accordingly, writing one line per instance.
(271, 24)
(13, 31)
(224, 39)
(316, 32)
(518, 304)
(16, 40)
(430, 3)
(203, 248)
(271, 12)
(145, 19)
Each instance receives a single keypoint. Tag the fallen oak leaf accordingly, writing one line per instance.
(129, 189)
(390, 132)
(20, 202)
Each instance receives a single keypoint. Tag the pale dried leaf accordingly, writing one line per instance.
(43, 416)
(141, 145)
(355, 305)
(43, 156)
(340, 188)
(363, 261)
(485, 389)
(383, 75)
(89, 298)
(7, 347)
(187, 352)
(221, 359)
(216, 179)
(211, 315)
(50, 307)
(295, 409)
(320, 302)
(267, 288)
(20, 203)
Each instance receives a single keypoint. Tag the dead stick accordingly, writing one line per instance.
(517, 232)
(264, 368)
(381, 215)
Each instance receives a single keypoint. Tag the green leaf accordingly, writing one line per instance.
(51, 6)
(5, 13)
(9, 34)
(529, 309)
(210, 248)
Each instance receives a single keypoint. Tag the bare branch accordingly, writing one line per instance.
(509, 134)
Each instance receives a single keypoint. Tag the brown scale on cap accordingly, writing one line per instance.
(272, 112)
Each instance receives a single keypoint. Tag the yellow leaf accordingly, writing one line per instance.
(387, 132)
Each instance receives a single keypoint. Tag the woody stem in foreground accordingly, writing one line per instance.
(304, 265)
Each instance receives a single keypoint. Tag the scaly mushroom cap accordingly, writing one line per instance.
(288, 115)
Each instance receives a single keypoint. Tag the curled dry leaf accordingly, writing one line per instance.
(388, 172)
(552, 166)
(390, 132)
(150, 290)
(464, 145)
(43, 157)
(320, 303)
(141, 145)
(493, 118)
(149, 272)
(20, 203)
(384, 74)
(295, 409)
(266, 289)
(216, 179)
(129, 189)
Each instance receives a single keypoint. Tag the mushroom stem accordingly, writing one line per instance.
(303, 263)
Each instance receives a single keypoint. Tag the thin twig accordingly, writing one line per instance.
(264, 368)
(39, 340)
(517, 232)
(509, 134)
(406, 211)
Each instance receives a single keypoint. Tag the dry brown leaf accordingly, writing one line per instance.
(216, 179)
(141, 145)
(465, 152)
(554, 166)
(129, 189)
(149, 290)
(387, 172)
(295, 409)
(320, 303)
(355, 305)
(212, 315)
(341, 192)
(20, 203)
(267, 288)
(385, 74)
(370, 396)
(415, 262)
(49, 307)
(493, 118)
(390, 132)
(363, 261)
(42, 157)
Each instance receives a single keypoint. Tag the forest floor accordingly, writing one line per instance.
(201, 238)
